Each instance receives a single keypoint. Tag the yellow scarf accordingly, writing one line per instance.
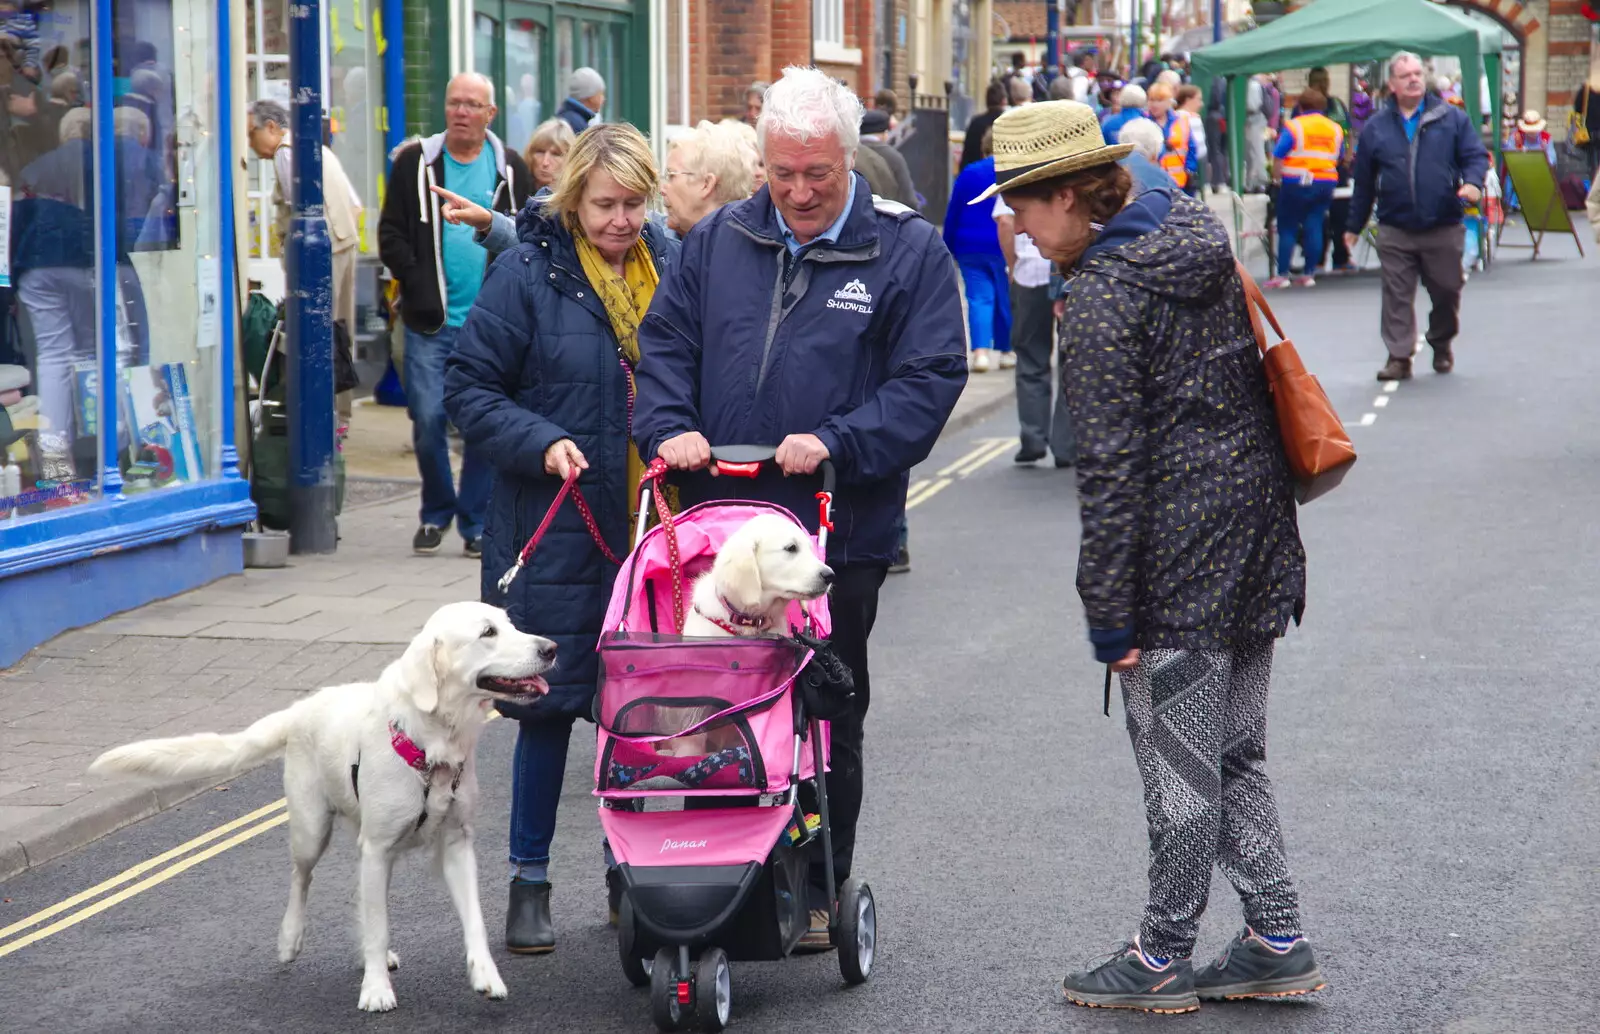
(627, 299)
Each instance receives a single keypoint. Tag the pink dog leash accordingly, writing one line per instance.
(570, 485)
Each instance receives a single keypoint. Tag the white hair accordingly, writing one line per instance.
(807, 104)
(1132, 97)
(1144, 135)
(1406, 55)
(717, 150)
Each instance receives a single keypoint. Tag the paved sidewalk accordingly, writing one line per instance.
(218, 658)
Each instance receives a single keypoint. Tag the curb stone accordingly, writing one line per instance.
(86, 820)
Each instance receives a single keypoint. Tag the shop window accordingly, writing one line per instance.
(524, 106)
(564, 54)
(166, 259)
(353, 99)
(486, 46)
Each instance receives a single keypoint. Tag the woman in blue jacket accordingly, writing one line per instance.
(541, 381)
(972, 238)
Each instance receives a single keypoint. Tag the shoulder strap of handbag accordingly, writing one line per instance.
(1255, 303)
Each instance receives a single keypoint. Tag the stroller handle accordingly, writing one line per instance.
(747, 461)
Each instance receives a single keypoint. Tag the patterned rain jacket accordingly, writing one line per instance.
(1189, 533)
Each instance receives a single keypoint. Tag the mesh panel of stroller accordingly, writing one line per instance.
(695, 716)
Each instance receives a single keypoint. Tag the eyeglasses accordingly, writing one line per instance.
(465, 106)
(816, 176)
(670, 173)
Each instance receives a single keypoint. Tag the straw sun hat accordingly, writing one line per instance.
(1531, 122)
(1041, 141)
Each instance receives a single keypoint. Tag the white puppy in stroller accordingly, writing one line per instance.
(764, 565)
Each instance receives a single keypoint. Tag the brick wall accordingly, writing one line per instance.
(736, 42)
(732, 44)
(791, 34)
(1568, 35)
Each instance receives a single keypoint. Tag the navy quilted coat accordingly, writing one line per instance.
(536, 362)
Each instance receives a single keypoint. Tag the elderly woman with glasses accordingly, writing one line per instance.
(706, 169)
(541, 381)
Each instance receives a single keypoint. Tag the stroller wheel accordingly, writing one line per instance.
(713, 990)
(665, 1009)
(856, 936)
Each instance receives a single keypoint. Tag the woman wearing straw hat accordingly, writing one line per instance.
(1190, 563)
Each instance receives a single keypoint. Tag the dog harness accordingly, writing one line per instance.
(737, 619)
(416, 758)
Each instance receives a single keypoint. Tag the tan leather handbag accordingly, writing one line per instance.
(1314, 442)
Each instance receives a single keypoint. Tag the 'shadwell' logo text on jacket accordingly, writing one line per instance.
(852, 297)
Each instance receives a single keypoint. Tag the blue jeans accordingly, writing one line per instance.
(536, 770)
(1302, 210)
(988, 301)
(425, 356)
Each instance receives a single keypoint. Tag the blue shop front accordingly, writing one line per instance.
(119, 478)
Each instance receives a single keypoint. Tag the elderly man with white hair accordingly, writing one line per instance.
(706, 169)
(824, 322)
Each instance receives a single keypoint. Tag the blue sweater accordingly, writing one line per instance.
(969, 230)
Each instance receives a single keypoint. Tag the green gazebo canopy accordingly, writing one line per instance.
(1345, 31)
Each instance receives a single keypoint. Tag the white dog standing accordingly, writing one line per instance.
(395, 758)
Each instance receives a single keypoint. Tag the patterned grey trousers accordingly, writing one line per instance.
(1198, 720)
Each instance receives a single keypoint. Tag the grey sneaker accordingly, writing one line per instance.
(1249, 967)
(1126, 981)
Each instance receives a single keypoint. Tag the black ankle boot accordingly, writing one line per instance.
(528, 927)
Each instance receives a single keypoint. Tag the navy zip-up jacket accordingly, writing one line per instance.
(860, 342)
(1414, 182)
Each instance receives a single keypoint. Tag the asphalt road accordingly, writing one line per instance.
(1433, 743)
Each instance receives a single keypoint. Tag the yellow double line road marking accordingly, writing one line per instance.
(265, 818)
(985, 452)
(988, 450)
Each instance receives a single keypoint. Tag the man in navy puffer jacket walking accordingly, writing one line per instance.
(816, 319)
(1419, 158)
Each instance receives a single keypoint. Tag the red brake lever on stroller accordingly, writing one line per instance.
(738, 470)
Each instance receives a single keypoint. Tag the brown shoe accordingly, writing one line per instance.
(1396, 369)
(1443, 360)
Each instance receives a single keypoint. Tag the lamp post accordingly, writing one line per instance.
(312, 493)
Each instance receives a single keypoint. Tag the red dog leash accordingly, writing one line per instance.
(570, 485)
(656, 475)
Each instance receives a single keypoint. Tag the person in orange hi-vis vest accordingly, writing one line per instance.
(1178, 152)
(1307, 168)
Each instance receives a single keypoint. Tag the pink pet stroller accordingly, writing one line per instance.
(734, 727)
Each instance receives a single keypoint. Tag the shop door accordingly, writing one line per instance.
(598, 40)
(511, 43)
